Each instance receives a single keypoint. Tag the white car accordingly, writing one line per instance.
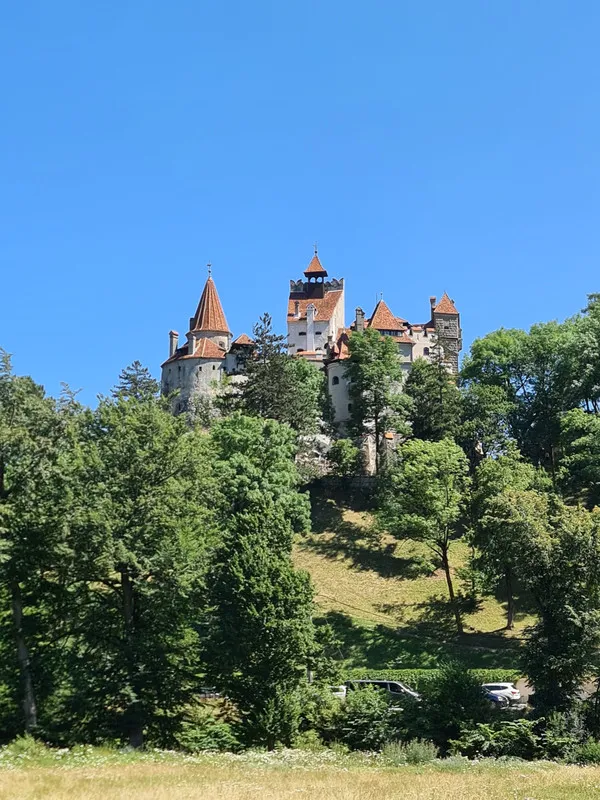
(507, 690)
(339, 691)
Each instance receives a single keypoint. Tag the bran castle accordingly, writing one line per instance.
(316, 331)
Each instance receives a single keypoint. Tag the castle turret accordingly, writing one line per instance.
(446, 320)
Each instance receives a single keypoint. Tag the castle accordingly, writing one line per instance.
(316, 331)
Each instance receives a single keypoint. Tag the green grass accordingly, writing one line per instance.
(388, 601)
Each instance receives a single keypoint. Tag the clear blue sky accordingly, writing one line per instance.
(426, 146)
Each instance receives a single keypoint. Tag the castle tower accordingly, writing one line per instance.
(446, 321)
(198, 366)
(315, 312)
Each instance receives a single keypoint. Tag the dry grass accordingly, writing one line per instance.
(236, 782)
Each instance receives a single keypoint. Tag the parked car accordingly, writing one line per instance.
(394, 689)
(339, 691)
(507, 690)
(497, 700)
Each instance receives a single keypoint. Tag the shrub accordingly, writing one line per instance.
(203, 731)
(518, 739)
(320, 711)
(587, 753)
(421, 679)
(453, 701)
(415, 751)
(364, 721)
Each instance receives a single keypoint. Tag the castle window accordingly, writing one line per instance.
(300, 350)
(425, 351)
(199, 369)
(335, 380)
(214, 366)
(302, 333)
(349, 407)
(318, 333)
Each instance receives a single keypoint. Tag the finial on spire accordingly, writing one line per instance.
(209, 267)
(315, 248)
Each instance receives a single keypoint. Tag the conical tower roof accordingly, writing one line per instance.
(445, 306)
(209, 314)
(315, 268)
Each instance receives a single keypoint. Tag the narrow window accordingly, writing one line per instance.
(335, 380)
(349, 406)
(425, 351)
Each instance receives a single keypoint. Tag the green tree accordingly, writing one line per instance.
(136, 381)
(561, 651)
(344, 458)
(375, 374)
(579, 461)
(424, 500)
(259, 630)
(141, 545)
(34, 552)
(484, 427)
(436, 407)
(288, 390)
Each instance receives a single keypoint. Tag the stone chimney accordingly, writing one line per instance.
(359, 324)
(173, 342)
(432, 303)
(311, 312)
(297, 309)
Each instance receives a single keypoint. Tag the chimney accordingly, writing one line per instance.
(432, 303)
(173, 342)
(359, 324)
(297, 309)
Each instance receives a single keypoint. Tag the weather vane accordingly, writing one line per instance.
(209, 265)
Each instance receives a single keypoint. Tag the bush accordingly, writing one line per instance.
(453, 701)
(364, 720)
(203, 731)
(587, 753)
(421, 679)
(518, 739)
(416, 751)
(320, 711)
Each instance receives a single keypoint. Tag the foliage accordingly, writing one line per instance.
(137, 382)
(422, 679)
(453, 700)
(374, 374)
(365, 719)
(515, 738)
(424, 499)
(436, 403)
(277, 386)
(202, 730)
(141, 540)
(587, 753)
(562, 574)
(579, 461)
(259, 630)
(344, 458)
(415, 751)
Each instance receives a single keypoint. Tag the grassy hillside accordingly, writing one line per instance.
(389, 603)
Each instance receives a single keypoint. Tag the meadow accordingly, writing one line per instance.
(89, 774)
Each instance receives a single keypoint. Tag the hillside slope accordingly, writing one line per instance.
(389, 603)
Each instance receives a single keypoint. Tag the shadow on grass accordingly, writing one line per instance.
(361, 545)
(383, 647)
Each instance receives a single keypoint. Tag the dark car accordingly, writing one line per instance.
(497, 700)
(394, 689)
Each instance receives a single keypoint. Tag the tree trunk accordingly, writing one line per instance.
(453, 602)
(29, 707)
(134, 713)
(510, 600)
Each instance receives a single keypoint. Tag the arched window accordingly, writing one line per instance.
(335, 380)
(425, 351)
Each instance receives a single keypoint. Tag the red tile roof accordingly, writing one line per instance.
(404, 339)
(209, 314)
(205, 348)
(445, 306)
(325, 305)
(242, 339)
(315, 268)
(383, 320)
